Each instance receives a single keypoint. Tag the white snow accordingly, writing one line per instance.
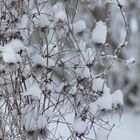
(34, 90)
(42, 17)
(10, 51)
(128, 129)
(134, 25)
(59, 12)
(51, 62)
(104, 102)
(37, 59)
(99, 32)
(85, 72)
(91, 53)
(79, 26)
(79, 126)
(88, 53)
(122, 2)
(98, 84)
(23, 25)
(102, 134)
(73, 89)
(130, 61)
(93, 108)
(16, 45)
(41, 122)
(24, 21)
(31, 119)
(9, 56)
(117, 98)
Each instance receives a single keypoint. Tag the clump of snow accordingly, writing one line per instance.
(98, 84)
(99, 32)
(130, 61)
(37, 59)
(79, 26)
(79, 126)
(42, 15)
(16, 45)
(104, 102)
(31, 119)
(34, 90)
(10, 51)
(117, 98)
(9, 56)
(59, 12)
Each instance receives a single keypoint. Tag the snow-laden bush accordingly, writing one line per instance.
(55, 63)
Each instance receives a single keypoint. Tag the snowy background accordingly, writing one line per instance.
(128, 129)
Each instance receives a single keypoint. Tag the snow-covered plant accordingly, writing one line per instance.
(56, 59)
